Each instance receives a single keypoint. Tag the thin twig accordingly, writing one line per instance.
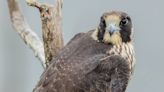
(25, 32)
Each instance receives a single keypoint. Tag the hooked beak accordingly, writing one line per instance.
(112, 27)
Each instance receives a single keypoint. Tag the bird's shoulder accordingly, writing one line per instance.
(76, 37)
(80, 37)
(84, 45)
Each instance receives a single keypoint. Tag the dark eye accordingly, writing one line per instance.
(124, 21)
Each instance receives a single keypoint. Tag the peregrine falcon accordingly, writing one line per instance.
(100, 60)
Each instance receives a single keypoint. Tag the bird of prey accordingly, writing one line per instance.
(100, 60)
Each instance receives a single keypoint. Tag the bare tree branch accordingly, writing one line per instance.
(25, 32)
(51, 27)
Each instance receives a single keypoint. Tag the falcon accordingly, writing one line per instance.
(100, 60)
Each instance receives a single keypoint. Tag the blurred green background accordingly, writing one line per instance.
(20, 70)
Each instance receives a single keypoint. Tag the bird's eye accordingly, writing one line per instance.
(124, 21)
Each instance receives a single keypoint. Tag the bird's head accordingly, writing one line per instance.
(115, 28)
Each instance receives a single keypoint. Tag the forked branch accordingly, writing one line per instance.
(51, 29)
(25, 32)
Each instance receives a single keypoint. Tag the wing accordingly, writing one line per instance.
(53, 79)
(66, 56)
(120, 72)
(99, 73)
(105, 74)
(116, 70)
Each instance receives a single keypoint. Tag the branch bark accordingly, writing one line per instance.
(51, 18)
(51, 27)
(25, 32)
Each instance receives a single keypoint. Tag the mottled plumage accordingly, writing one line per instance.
(96, 61)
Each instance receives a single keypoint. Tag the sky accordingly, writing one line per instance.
(20, 70)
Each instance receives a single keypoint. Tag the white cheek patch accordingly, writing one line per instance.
(107, 37)
(116, 38)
